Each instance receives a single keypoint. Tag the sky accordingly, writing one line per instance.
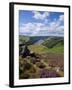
(41, 23)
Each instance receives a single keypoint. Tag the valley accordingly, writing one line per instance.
(45, 58)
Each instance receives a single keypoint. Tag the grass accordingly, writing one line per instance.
(40, 49)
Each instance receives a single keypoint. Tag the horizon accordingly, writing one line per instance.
(39, 36)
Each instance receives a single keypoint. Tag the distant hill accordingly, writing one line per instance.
(39, 42)
(54, 41)
(38, 39)
(48, 41)
(32, 40)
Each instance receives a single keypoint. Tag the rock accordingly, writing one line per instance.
(26, 52)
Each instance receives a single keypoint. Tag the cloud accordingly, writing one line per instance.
(38, 29)
(61, 17)
(57, 23)
(53, 28)
(41, 16)
(31, 27)
(27, 28)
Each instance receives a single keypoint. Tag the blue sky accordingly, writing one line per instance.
(41, 23)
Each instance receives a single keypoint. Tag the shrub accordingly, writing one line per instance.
(24, 76)
(27, 66)
(33, 69)
(41, 65)
(33, 60)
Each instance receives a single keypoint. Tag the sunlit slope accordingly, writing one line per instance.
(42, 49)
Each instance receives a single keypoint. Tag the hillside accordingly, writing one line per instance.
(45, 40)
(48, 59)
(42, 49)
(52, 42)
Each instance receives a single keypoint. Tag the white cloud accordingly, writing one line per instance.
(43, 29)
(41, 16)
(61, 17)
(56, 24)
(60, 29)
(37, 29)
(27, 29)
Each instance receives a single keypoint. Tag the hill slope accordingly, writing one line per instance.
(40, 49)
